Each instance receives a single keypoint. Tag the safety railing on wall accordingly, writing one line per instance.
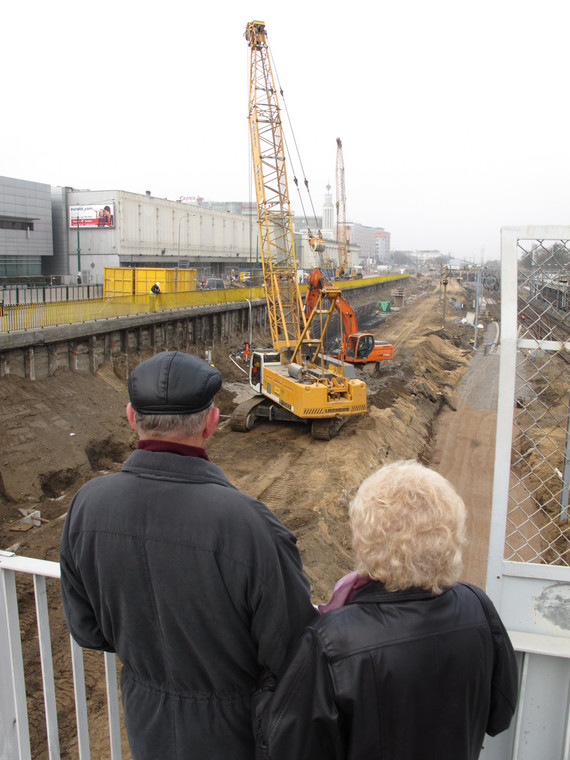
(34, 316)
(16, 294)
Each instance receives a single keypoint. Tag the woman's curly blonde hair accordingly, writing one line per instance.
(408, 528)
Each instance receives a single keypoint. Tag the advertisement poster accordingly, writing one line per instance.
(92, 216)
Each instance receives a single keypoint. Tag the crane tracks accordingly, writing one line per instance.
(282, 466)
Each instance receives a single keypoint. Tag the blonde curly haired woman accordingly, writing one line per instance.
(406, 662)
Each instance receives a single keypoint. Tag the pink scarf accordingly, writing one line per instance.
(343, 592)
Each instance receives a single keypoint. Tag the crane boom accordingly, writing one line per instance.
(341, 232)
(271, 189)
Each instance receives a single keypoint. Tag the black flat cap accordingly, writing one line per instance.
(173, 383)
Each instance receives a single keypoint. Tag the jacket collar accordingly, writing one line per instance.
(163, 464)
(151, 444)
(375, 592)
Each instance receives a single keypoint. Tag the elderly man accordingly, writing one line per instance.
(197, 587)
(405, 662)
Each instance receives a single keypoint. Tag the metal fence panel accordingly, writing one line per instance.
(528, 574)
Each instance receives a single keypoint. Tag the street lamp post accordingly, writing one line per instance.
(477, 290)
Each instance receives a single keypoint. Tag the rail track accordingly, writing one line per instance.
(541, 320)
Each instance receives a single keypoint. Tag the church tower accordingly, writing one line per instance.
(328, 230)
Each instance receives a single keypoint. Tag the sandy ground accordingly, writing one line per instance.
(463, 450)
(62, 431)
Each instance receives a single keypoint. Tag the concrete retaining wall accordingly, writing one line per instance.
(85, 346)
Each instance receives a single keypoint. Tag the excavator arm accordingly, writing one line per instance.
(357, 347)
(319, 286)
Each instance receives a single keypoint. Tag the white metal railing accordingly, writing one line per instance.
(14, 723)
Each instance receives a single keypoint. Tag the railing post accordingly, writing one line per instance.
(113, 705)
(8, 735)
(80, 700)
(14, 731)
(48, 682)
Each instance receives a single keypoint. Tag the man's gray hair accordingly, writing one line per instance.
(163, 424)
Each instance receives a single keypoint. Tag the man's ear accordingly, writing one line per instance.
(131, 417)
(211, 421)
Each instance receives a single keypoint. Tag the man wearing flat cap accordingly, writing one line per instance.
(197, 587)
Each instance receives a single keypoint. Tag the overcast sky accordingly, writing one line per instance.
(454, 116)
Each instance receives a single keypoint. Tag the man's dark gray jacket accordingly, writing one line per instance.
(197, 587)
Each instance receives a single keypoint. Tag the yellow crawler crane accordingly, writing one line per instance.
(293, 380)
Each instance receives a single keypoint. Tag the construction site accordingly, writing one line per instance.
(322, 385)
(435, 400)
(61, 431)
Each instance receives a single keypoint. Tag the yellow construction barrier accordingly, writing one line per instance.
(37, 315)
(360, 281)
(136, 281)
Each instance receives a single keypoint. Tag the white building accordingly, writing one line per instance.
(75, 233)
(111, 228)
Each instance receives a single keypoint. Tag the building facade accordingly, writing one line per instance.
(366, 240)
(26, 243)
(117, 228)
(75, 234)
(367, 246)
(382, 246)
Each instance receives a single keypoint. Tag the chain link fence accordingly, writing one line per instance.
(537, 519)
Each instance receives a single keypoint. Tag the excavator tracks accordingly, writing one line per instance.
(244, 418)
(324, 430)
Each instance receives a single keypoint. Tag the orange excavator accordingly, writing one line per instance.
(357, 347)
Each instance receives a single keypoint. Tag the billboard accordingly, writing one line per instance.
(95, 216)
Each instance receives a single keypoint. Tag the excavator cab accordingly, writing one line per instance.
(255, 371)
(359, 347)
(258, 359)
(351, 346)
(365, 346)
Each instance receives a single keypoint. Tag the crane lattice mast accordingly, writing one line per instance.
(273, 205)
(341, 232)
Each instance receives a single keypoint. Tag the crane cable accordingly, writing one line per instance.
(295, 180)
